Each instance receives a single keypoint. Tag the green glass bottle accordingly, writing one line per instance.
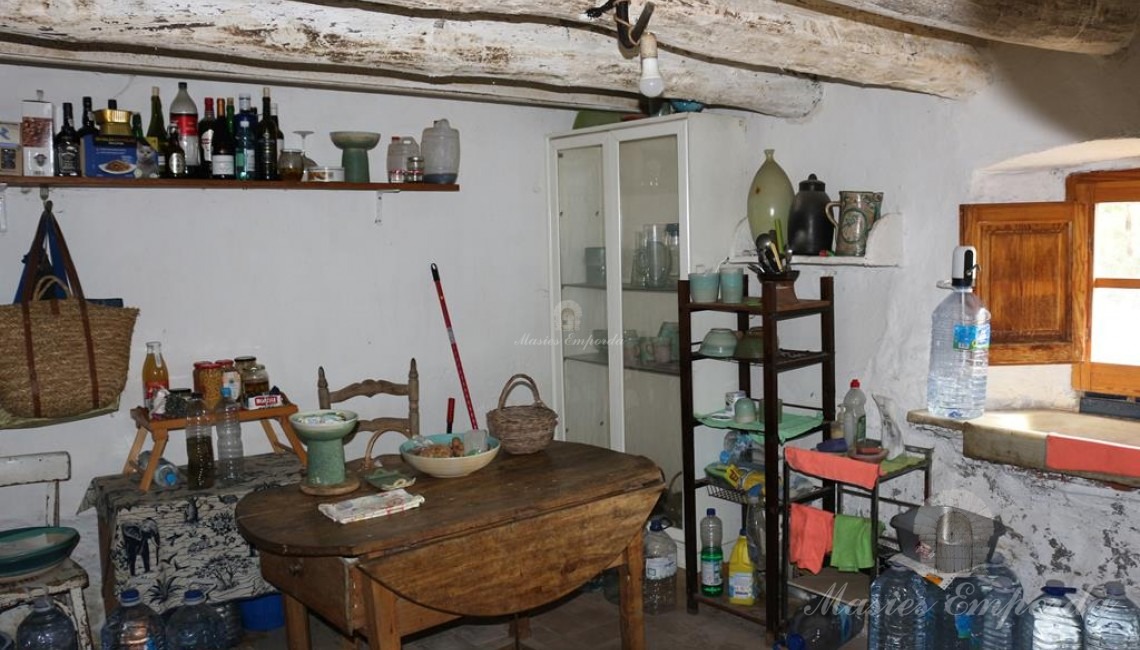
(770, 199)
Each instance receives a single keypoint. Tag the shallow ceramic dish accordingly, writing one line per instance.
(719, 342)
(325, 174)
(868, 458)
(449, 467)
(28, 552)
(355, 139)
(314, 425)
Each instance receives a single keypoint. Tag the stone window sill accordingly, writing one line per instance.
(1089, 446)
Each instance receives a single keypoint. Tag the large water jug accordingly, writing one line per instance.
(1002, 605)
(441, 153)
(958, 620)
(133, 623)
(898, 610)
(1112, 621)
(959, 347)
(659, 594)
(195, 625)
(46, 628)
(1052, 621)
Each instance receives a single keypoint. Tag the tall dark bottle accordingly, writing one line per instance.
(88, 120)
(156, 128)
(206, 136)
(67, 146)
(222, 146)
(277, 126)
(175, 155)
(265, 146)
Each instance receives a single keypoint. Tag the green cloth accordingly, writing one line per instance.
(851, 542)
(888, 467)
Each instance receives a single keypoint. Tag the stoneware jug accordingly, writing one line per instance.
(809, 228)
(857, 214)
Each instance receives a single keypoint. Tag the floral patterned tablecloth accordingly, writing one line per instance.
(165, 541)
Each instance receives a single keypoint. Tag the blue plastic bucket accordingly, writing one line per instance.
(262, 613)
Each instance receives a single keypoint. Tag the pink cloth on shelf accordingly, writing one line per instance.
(832, 467)
(809, 536)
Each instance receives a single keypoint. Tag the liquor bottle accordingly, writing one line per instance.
(155, 374)
(265, 163)
(67, 146)
(231, 109)
(147, 157)
(184, 115)
(277, 125)
(175, 155)
(243, 148)
(156, 129)
(206, 136)
(222, 146)
(88, 127)
(245, 107)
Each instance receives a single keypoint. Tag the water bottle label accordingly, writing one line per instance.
(963, 624)
(659, 568)
(710, 573)
(971, 336)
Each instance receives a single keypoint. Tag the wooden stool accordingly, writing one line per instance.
(159, 431)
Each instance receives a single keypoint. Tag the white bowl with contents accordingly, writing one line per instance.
(326, 174)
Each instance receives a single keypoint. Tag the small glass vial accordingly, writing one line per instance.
(255, 381)
(415, 170)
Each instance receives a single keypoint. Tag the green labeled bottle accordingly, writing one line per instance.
(712, 554)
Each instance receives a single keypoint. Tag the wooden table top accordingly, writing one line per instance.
(285, 521)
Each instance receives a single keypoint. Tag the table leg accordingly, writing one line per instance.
(383, 628)
(296, 624)
(275, 443)
(129, 467)
(160, 438)
(632, 577)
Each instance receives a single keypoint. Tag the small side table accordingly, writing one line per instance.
(159, 431)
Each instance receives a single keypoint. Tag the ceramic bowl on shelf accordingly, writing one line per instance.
(448, 466)
(718, 342)
(28, 552)
(355, 139)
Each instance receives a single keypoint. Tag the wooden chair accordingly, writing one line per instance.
(409, 426)
(68, 579)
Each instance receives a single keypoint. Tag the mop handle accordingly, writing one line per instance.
(454, 347)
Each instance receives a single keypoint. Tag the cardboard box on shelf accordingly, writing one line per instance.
(36, 136)
(109, 156)
(10, 162)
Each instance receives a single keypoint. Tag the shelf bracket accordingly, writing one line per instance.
(379, 216)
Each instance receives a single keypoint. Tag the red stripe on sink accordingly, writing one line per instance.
(1084, 455)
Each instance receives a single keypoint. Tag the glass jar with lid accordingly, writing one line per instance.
(243, 362)
(208, 382)
(255, 380)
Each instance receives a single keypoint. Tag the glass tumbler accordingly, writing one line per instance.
(657, 256)
(291, 165)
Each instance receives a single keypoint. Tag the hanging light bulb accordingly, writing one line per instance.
(652, 83)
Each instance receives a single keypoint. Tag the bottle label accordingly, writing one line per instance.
(188, 136)
(711, 573)
(971, 336)
(206, 139)
(222, 165)
(152, 387)
(740, 587)
(659, 568)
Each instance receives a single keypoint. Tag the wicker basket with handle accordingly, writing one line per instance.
(522, 429)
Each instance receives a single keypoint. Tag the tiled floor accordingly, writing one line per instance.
(584, 621)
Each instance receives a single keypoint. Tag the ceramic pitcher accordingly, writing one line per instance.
(857, 214)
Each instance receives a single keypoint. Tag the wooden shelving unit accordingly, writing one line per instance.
(211, 184)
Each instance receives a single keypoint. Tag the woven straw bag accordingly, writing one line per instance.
(61, 358)
(522, 429)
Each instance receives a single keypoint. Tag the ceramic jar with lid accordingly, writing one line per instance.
(809, 229)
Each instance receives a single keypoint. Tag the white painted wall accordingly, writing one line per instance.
(307, 279)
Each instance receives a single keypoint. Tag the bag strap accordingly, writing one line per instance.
(49, 229)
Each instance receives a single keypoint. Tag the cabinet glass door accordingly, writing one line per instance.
(650, 205)
(582, 275)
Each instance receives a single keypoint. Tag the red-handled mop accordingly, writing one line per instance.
(454, 347)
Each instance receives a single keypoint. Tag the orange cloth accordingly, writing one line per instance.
(809, 536)
(832, 467)
(1083, 455)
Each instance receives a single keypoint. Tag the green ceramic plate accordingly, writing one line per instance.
(28, 552)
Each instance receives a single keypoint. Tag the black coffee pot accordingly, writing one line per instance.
(809, 229)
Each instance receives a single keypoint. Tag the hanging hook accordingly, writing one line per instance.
(628, 35)
(45, 191)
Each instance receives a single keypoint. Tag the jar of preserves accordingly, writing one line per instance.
(231, 378)
(208, 382)
(244, 362)
(255, 381)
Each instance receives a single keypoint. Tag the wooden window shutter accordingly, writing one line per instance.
(1033, 260)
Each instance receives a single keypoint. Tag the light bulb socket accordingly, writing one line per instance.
(648, 46)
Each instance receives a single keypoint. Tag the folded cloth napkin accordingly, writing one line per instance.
(373, 505)
(835, 468)
(809, 536)
(851, 548)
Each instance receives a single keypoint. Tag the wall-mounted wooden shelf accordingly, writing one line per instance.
(212, 184)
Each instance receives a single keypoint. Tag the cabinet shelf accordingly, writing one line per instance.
(793, 425)
(625, 287)
(212, 184)
(671, 368)
(753, 306)
(785, 359)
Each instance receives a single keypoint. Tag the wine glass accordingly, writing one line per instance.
(304, 157)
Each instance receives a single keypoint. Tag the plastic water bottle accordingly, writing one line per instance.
(1001, 605)
(997, 567)
(441, 153)
(854, 415)
(754, 527)
(959, 347)
(898, 611)
(712, 554)
(194, 625)
(46, 628)
(1112, 621)
(958, 620)
(165, 475)
(133, 625)
(199, 445)
(231, 455)
(660, 589)
(397, 160)
(1052, 621)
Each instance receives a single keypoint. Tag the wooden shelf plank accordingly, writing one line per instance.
(213, 184)
(672, 368)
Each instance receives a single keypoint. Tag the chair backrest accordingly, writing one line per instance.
(48, 467)
(409, 425)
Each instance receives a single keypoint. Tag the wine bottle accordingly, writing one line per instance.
(222, 145)
(184, 115)
(265, 164)
(67, 145)
(205, 136)
(175, 154)
(88, 127)
(280, 133)
(156, 129)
